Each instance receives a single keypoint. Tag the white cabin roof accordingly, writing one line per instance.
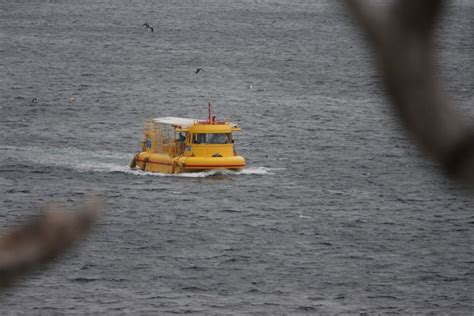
(176, 121)
(182, 122)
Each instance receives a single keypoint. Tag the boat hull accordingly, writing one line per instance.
(190, 164)
(163, 163)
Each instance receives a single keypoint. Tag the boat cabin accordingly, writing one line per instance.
(182, 136)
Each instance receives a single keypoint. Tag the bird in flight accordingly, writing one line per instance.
(148, 27)
(35, 100)
(198, 70)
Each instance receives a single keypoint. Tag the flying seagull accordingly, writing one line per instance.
(148, 27)
(198, 70)
(35, 100)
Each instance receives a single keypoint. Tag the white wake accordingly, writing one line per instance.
(102, 161)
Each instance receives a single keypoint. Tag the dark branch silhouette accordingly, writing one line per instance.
(26, 247)
(402, 33)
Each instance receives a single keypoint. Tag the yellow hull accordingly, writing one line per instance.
(163, 163)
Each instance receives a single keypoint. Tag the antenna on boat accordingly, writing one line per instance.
(209, 118)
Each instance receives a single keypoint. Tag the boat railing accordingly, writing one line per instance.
(163, 137)
(170, 149)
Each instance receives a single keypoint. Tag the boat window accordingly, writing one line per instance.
(215, 138)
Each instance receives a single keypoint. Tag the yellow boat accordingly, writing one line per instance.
(176, 145)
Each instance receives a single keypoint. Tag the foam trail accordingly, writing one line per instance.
(74, 158)
(103, 161)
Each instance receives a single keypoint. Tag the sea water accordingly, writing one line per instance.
(337, 212)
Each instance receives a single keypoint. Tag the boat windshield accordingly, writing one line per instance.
(215, 138)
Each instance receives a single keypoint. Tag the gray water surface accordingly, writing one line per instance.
(337, 212)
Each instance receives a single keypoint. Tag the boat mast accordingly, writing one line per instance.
(209, 118)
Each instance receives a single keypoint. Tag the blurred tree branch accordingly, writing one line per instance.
(402, 33)
(26, 247)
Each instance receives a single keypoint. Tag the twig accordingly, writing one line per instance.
(27, 247)
(402, 35)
